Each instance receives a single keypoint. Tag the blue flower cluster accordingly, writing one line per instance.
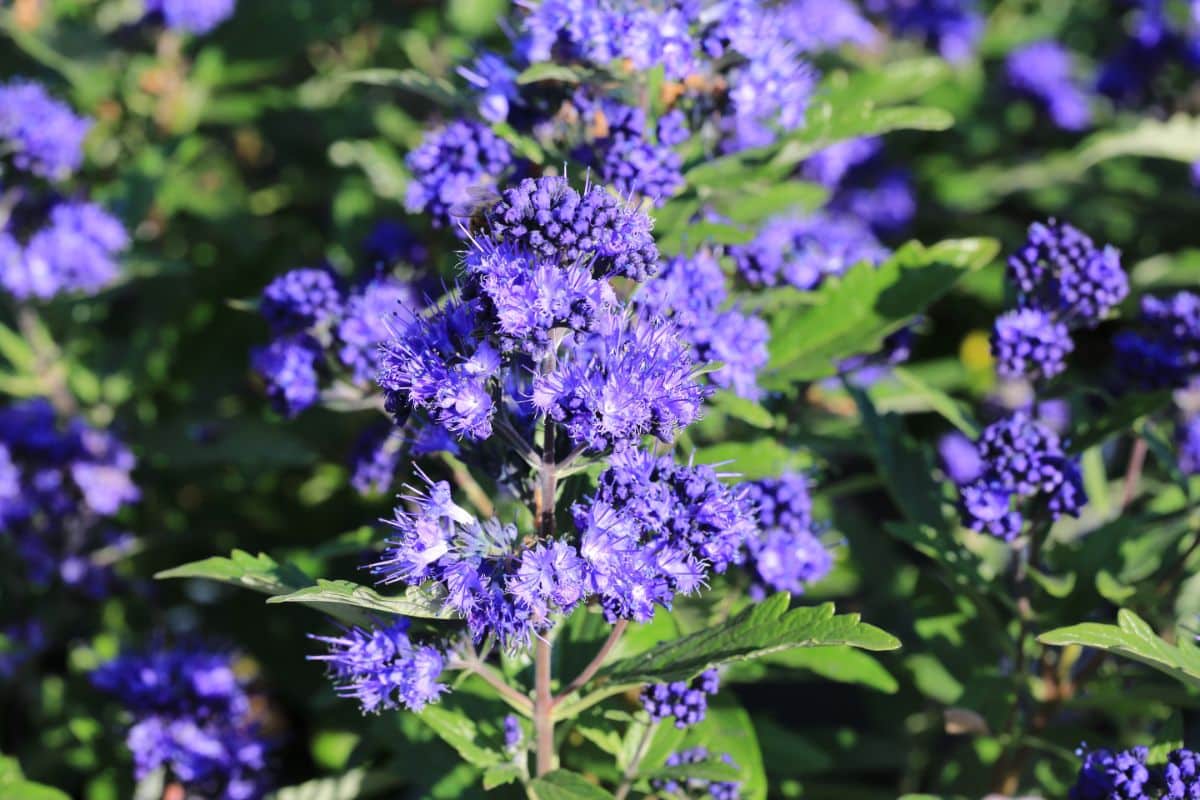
(319, 328)
(952, 27)
(696, 788)
(192, 715)
(1125, 775)
(865, 186)
(803, 251)
(626, 157)
(691, 291)
(654, 528)
(1163, 351)
(1025, 471)
(687, 703)
(60, 487)
(1042, 70)
(192, 16)
(375, 459)
(1187, 438)
(787, 553)
(451, 166)
(382, 668)
(1155, 40)
(1063, 281)
(49, 245)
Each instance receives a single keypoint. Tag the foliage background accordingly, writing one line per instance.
(257, 148)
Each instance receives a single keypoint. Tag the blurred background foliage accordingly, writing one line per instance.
(279, 139)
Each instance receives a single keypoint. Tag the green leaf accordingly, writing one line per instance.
(712, 769)
(744, 409)
(951, 410)
(1132, 638)
(744, 208)
(563, 785)
(841, 664)
(760, 630)
(760, 458)
(260, 573)
(548, 71)
(459, 731)
(1120, 417)
(348, 786)
(18, 351)
(727, 728)
(854, 314)
(14, 785)
(499, 775)
(415, 602)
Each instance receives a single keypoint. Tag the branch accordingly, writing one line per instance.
(519, 702)
(594, 665)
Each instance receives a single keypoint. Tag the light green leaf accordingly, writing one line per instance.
(744, 409)
(951, 410)
(760, 630)
(727, 728)
(499, 775)
(842, 664)
(348, 786)
(1132, 638)
(459, 731)
(548, 71)
(852, 315)
(563, 785)
(712, 769)
(415, 602)
(13, 784)
(260, 573)
(760, 458)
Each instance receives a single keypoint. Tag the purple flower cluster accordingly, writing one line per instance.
(192, 715)
(692, 293)
(1042, 70)
(687, 703)
(450, 165)
(786, 554)
(1024, 468)
(382, 668)
(952, 27)
(375, 460)
(1155, 41)
(626, 158)
(654, 528)
(319, 327)
(697, 787)
(804, 251)
(865, 187)
(38, 134)
(59, 488)
(192, 16)
(75, 251)
(1163, 351)
(1187, 439)
(1125, 775)
(1063, 282)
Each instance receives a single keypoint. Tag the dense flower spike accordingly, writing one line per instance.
(450, 165)
(192, 716)
(193, 16)
(687, 703)
(1164, 351)
(697, 787)
(366, 324)
(786, 554)
(301, 299)
(40, 135)
(1105, 775)
(550, 219)
(692, 293)
(1061, 271)
(803, 251)
(59, 486)
(1042, 70)
(770, 92)
(1024, 466)
(1029, 343)
(1181, 775)
(382, 668)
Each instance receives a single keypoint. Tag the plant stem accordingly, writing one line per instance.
(1133, 473)
(543, 698)
(635, 763)
(594, 665)
(518, 701)
(49, 361)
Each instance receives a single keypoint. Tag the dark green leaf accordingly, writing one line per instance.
(563, 785)
(1132, 638)
(415, 602)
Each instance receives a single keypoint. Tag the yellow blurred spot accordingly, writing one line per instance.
(27, 14)
(976, 351)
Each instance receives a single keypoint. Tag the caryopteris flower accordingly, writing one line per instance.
(1061, 271)
(192, 716)
(1025, 467)
(382, 668)
(449, 165)
(1105, 775)
(1042, 70)
(697, 787)
(687, 703)
(786, 554)
(1028, 342)
(288, 367)
(75, 251)
(301, 299)
(805, 250)
(1163, 351)
(40, 135)
(193, 16)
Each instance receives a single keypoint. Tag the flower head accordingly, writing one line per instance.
(1029, 343)
(41, 135)
(382, 668)
(449, 165)
(288, 366)
(301, 299)
(1061, 271)
(74, 252)
(1042, 70)
(193, 16)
